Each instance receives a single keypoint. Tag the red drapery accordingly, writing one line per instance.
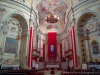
(72, 48)
(52, 45)
(61, 51)
(43, 52)
(73, 40)
(30, 48)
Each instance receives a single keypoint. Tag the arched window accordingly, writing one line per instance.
(95, 45)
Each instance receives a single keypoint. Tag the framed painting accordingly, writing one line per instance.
(52, 48)
(95, 47)
(11, 45)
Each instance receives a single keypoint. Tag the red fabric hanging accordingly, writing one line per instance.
(30, 48)
(73, 40)
(52, 45)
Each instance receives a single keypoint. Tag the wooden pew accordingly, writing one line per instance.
(13, 74)
(19, 72)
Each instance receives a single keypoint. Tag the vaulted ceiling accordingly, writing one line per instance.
(52, 9)
(51, 15)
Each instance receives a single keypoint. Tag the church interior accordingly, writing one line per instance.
(49, 37)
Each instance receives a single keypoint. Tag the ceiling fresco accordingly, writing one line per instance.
(54, 7)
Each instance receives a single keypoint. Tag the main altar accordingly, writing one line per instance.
(52, 64)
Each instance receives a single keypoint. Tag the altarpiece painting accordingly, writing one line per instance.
(11, 45)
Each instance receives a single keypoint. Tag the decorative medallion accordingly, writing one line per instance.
(91, 26)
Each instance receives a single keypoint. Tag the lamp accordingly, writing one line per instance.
(52, 18)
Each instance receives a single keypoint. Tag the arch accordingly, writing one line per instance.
(83, 36)
(85, 15)
(87, 11)
(17, 15)
(23, 41)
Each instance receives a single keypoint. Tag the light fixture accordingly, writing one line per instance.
(52, 18)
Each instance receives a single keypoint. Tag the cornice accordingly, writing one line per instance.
(11, 3)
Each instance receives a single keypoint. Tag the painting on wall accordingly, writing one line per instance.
(52, 48)
(95, 46)
(11, 45)
(52, 26)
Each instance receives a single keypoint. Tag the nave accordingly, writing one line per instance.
(49, 37)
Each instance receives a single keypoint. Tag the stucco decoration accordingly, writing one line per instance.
(93, 26)
(92, 23)
(11, 28)
(13, 24)
(2, 10)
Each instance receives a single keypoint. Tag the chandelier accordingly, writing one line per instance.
(52, 18)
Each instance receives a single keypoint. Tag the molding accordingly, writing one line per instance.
(15, 3)
(84, 8)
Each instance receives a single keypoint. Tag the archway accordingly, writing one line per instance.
(87, 29)
(14, 32)
(23, 40)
